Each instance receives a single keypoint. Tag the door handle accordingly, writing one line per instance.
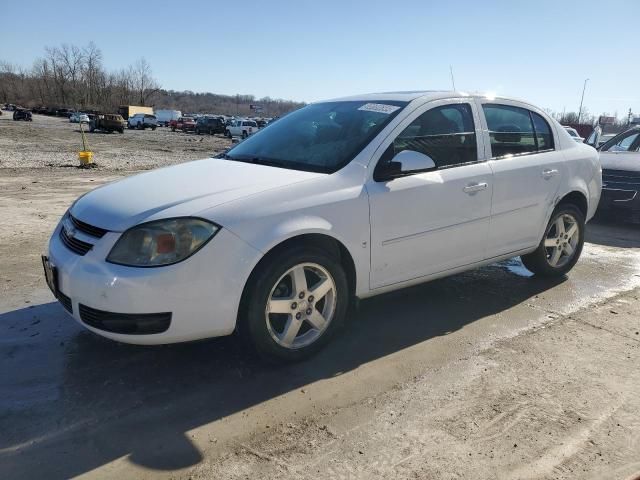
(549, 172)
(474, 187)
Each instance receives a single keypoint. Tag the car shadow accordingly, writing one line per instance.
(612, 233)
(76, 401)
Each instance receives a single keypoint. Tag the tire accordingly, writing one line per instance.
(173, 129)
(153, 128)
(544, 261)
(227, 133)
(121, 130)
(197, 130)
(265, 332)
(244, 134)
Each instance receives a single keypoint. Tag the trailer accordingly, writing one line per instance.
(130, 110)
(165, 116)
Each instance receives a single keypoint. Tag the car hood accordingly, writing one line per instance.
(180, 190)
(620, 161)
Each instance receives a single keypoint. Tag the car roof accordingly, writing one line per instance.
(427, 95)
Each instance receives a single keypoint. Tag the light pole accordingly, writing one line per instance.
(581, 99)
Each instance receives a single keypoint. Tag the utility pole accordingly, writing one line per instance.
(584, 87)
(453, 82)
(629, 118)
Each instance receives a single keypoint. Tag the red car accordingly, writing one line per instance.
(186, 124)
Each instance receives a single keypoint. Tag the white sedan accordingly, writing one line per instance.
(340, 199)
(78, 117)
(574, 134)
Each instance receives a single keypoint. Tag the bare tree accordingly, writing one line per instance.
(143, 83)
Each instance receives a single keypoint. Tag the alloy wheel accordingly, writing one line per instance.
(561, 240)
(301, 305)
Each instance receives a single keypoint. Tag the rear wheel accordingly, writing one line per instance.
(561, 244)
(294, 303)
(244, 134)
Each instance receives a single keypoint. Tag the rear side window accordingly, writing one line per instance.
(544, 137)
(446, 134)
(516, 131)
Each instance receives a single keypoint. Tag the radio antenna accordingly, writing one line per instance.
(453, 82)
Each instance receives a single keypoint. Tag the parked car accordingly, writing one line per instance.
(107, 123)
(79, 117)
(340, 199)
(597, 138)
(241, 128)
(209, 125)
(620, 159)
(22, 114)
(142, 121)
(186, 124)
(574, 134)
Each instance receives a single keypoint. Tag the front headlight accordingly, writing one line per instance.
(161, 242)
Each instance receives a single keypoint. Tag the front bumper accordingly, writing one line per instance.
(201, 294)
(621, 195)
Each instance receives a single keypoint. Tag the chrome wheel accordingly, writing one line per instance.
(301, 306)
(561, 240)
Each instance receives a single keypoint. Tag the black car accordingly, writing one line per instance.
(620, 160)
(22, 114)
(209, 125)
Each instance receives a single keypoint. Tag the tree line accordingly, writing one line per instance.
(69, 76)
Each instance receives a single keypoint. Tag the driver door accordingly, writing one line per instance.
(430, 222)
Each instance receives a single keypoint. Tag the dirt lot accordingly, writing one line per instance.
(54, 142)
(489, 374)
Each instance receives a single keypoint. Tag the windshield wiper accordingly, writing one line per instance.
(257, 160)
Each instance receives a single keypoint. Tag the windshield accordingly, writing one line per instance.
(321, 137)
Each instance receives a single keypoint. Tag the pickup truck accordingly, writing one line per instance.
(241, 128)
(186, 124)
(142, 121)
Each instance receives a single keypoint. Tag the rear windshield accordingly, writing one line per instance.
(321, 137)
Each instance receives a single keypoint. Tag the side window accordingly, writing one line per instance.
(515, 131)
(544, 137)
(446, 134)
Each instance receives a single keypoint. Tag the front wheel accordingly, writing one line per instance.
(561, 244)
(293, 303)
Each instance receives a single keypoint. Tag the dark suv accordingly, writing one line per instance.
(209, 125)
(22, 114)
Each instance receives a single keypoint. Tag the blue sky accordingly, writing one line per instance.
(540, 50)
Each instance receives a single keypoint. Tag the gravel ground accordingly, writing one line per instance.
(54, 142)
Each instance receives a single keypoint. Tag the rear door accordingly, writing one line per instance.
(434, 221)
(527, 172)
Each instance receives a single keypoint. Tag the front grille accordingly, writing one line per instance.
(127, 323)
(620, 176)
(88, 229)
(65, 301)
(73, 244)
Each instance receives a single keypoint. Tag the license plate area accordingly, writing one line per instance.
(50, 275)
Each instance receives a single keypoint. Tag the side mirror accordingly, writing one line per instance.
(407, 162)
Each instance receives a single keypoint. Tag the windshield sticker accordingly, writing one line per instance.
(378, 107)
